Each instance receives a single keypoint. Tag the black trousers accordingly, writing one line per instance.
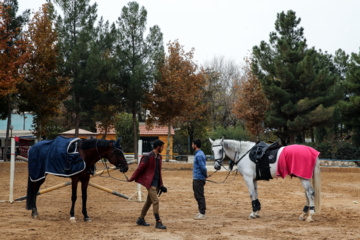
(198, 187)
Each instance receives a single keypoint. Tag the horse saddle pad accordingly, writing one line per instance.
(59, 157)
(263, 155)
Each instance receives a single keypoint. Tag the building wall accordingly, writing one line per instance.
(161, 137)
(19, 122)
(108, 137)
(164, 139)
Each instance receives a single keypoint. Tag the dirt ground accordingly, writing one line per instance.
(228, 209)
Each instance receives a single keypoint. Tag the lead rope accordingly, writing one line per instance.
(236, 163)
(223, 182)
(230, 169)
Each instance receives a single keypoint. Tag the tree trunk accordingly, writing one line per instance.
(104, 136)
(303, 136)
(312, 134)
(135, 134)
(291, 138)
(39, 135)
(191, 136)
(7, 128)
(168, 143)
(77, 123)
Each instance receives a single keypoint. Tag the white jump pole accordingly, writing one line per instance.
(12, 170)
(139, 158)
(138, 192)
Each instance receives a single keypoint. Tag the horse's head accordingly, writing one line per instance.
(217, 147)
(117, 157)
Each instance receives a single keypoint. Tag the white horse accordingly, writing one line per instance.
(240, 150)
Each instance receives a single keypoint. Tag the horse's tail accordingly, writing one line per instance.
(31, 191)
(317, 186)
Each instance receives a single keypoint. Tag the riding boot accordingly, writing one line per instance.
(159, 224)
(141, 222)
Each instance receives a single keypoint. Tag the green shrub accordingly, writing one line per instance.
(347, 151)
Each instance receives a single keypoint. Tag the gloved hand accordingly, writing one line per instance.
(161, 190)
(231, 165)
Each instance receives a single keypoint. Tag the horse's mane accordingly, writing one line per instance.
(236, 144)
(93, 143)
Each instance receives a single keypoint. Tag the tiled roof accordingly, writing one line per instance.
(155, 131)
(81, 132)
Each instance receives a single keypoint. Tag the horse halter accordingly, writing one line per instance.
(115, 150)
(219, 160)
(118, 149)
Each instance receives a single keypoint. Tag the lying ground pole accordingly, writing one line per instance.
(98, 173)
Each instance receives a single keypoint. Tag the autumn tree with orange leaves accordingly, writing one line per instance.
(251, 105)
(13, 56)
(178, 91)
(43, 89)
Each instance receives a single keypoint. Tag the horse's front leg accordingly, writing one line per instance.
(84, 186)
(253, 196)
(256, 204)
(33, 190)
(74, 184)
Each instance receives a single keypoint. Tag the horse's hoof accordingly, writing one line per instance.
(257, 215)
(302, 217)
(309, 220)
(72, 220)
(87, 219)
(252, 216)
(34, 213)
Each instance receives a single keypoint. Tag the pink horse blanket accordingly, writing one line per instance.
(297, 160)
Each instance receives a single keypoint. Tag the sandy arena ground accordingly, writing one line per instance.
(228, 206)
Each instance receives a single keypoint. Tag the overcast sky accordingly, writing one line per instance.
(230, 28)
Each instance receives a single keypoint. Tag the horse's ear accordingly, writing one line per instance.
(117, 143)
(211, 141)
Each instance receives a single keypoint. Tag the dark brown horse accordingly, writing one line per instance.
(90, 151)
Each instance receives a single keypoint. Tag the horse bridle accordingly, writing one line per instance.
(112, 153)
(219, 160)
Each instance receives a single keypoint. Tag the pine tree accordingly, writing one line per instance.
(75, 34)
(296, 80)
(136, 56)
(102, 69)
(350, 108)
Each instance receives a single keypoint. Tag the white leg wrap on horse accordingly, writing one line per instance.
(252, 215)
(72, 220)
(257, 214)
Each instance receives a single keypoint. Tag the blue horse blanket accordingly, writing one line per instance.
(59, 157)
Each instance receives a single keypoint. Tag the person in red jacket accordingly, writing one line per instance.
(148, 174)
